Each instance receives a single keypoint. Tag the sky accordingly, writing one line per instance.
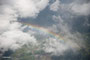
(25, 22)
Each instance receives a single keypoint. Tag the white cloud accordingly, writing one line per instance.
(14, 39)
(66, 12)
(55, 6)
(71, 40)
(29, 8)
(81, 9)
(11, 32)
(55, 47)
(77, 7)
(6, 16)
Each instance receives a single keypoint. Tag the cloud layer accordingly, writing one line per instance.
(14, 36)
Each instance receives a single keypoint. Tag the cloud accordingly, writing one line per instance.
(15, 39)
(55, 5)
(72, 40)
(12, 35)
(67, 14)
(6, 16)
(29, 8)
(55, 47)
(81, 9)
(75, 7)
(26, 8)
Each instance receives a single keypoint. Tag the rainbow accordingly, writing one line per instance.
(37, 27)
